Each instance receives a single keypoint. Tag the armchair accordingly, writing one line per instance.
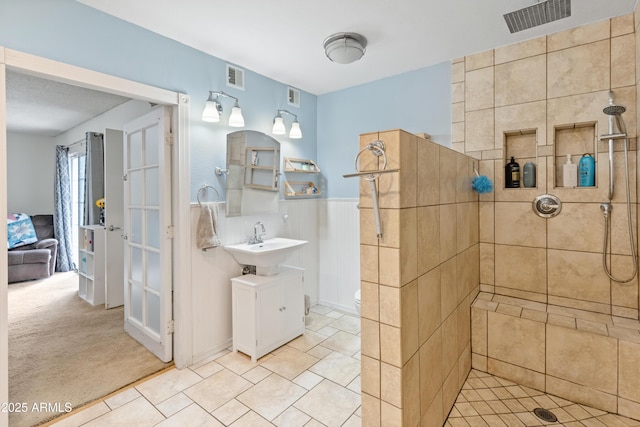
(37, 260)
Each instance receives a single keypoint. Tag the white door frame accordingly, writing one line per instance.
(58, 71)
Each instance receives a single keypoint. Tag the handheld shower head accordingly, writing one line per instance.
(613, 109)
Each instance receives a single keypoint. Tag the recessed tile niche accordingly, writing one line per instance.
(522, 145)
(575, 139)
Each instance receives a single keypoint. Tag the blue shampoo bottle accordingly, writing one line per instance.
(587, 171)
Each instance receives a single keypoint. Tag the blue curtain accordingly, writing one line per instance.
(62, 212)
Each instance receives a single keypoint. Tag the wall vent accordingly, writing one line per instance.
(235, 77)
(540, 13)
(293, 96)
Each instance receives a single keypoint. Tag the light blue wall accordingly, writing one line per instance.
(417, 101)
(69, 32)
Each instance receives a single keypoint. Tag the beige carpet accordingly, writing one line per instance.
(63, 350)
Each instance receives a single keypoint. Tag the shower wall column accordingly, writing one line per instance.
(418, 281)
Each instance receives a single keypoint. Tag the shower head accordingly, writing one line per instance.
(613, 109)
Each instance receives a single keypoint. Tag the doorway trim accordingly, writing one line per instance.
(77, 76)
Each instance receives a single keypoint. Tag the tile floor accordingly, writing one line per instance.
(490, 401)
(294, 386)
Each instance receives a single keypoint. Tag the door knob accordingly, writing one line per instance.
(112, 228)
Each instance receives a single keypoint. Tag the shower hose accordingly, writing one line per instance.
(607, 225)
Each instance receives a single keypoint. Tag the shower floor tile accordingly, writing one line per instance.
(486, 400)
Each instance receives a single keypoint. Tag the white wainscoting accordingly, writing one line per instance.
(339, 263)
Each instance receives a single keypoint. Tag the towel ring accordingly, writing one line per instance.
(377, 148)
(204, 189)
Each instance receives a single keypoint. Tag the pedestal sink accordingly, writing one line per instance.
(266, 256)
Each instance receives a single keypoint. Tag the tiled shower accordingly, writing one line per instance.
(543, 312)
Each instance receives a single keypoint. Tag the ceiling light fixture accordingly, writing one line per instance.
(213, 110)
(279, 129)
(345, 48)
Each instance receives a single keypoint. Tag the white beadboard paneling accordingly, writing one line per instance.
(339, 266)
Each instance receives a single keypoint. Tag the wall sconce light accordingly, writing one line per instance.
(213, 110)
(279, 129)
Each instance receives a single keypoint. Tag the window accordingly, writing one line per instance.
(77, 166)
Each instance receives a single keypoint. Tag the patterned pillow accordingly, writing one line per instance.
(20, 230)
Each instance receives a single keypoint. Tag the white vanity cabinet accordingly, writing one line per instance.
(268, 311)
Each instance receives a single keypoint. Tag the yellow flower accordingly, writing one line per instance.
(100, 203)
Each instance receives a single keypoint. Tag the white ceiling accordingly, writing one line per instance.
(282, 39)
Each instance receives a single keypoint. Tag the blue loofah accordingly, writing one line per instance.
(481, 184)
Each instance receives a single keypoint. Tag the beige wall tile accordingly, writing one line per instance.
(433, 414)
(464, 364)
(520, 342)
(464, 173)
(390, 218)
(604, 308)
(622, 25)
(628, 408)
(487, 263)
(429, 172)
(370, 411)
(367, 227)
(519, 225)
(370, 341)
(479, 89)
(390, 267)
(628, 378)
(572, 353)
(479, 362)
(464, 327)
(577, 275)
(580, 394)
(370, 376)
(464, 275)
(457, 132)
(624, 294)
(431, 370)
(448, 238)
(390, 306)
(520, 81)
(428, 304)
(408, 245)
(369, 302)
(517, 374)
(457, 112)
(457, 72)
(530, 115)
(391, 345)
(390, 415)
(487, 221)
(428, 238)
(409, 320)
(411, 392)
(448, 178)
(517, 293)
(450, 390)
(620, 229)
(391, 384)
(572, 222)
(486, 168)
(525, 49)
(467, 225)
(457, 92)
(479, 130)
(521, 268)
(623, 65)
(448, 288)
(458, 147)
(479, 60)
(578, 70)
(449, 331)
(579, 36)
(479, 331)
(369, 263)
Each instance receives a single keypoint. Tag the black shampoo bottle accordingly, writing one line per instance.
(512, 174)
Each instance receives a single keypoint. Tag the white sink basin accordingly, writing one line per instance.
(266, 256)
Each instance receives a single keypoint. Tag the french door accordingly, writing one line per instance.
(148, 232)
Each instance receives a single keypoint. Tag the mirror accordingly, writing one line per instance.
(253, 160)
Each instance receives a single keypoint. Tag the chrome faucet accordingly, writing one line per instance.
(257, 238)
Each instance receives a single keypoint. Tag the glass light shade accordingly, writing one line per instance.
(235, 119)
(210, 113)
(345, 48)
(295, 132)
(278, 126)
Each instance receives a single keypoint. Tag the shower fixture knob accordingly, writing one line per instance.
(547, 206)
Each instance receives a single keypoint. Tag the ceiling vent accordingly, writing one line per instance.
(235, 77)
(538, 14)
(293, 96)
